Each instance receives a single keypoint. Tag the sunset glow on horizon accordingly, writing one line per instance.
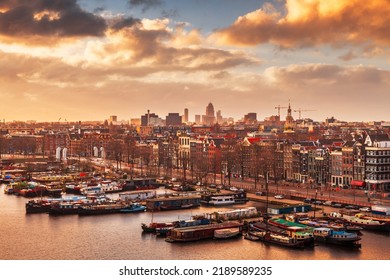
(89, 59)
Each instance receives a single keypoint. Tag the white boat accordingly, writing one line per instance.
(234, 214)
(226, 233)
(221, 200)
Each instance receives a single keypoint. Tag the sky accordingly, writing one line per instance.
(90, 59)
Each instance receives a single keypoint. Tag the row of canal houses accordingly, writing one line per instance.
(360, 163)
(363, 162)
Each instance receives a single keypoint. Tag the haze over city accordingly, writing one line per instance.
(86, 60)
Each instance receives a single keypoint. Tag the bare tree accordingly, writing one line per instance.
(229, 157)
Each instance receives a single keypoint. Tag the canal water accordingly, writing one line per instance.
(120, 237)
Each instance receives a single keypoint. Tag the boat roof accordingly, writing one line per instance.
(209, 226)
(323, 229)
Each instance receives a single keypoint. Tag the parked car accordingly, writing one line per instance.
(337, 205)
(212, 186)
(279, 196)
(260, 193)
(327, 203)
(233, 189)
(308, 200)
(354, 207)
(365, 209)
(318, 202)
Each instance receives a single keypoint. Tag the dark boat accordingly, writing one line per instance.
(133, 208)
(101, 209)
(44, 205)
(173, 203)
(304, 234)
(367, 223)
(177, 207)
(152, 227)
(38, 206)
(73, 188)
(196, 233)
(277, 239)
(54, 192)
(343, 238)
(65, 207)
(196, 221)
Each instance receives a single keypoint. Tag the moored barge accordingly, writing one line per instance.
(172, 203)
(196, 233)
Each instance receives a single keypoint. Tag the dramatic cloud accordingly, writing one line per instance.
(59, 19)
(313, 22)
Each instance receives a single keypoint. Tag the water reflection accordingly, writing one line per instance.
(120, 236)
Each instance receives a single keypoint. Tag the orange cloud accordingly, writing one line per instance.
(312, 22)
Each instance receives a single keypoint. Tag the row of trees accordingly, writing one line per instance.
(232, 158)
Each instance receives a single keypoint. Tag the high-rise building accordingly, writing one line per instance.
(145, 119)
(197, 119)
(219, 117)
(113, 118)
(173, 119)
(209, 118)
(185, 119)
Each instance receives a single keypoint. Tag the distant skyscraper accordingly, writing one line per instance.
(185, 120)
(219, 117)
(197, 119)
(113, 118)
(145, 119)
(209, 118)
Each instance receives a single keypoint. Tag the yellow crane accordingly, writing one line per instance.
(302, 110)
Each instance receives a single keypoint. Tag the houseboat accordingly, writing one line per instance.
(330, 236)
(65, 207)
(172, 203)
(153, 226)
(196, 233)
(237, 198)
(196, 221)
(234, 214)
(275, 238)
(298, 233)
(221, 200)
(133, 208)
(366, 222)
(100, 209)
(44, 205)
(137, 195)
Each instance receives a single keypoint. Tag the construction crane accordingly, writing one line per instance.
(279, 107)
(301, 110)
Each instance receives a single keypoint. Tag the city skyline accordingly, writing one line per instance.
(87, 60)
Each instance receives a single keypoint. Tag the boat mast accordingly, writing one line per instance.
(266, 205)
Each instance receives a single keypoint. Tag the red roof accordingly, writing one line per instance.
(254, 139)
